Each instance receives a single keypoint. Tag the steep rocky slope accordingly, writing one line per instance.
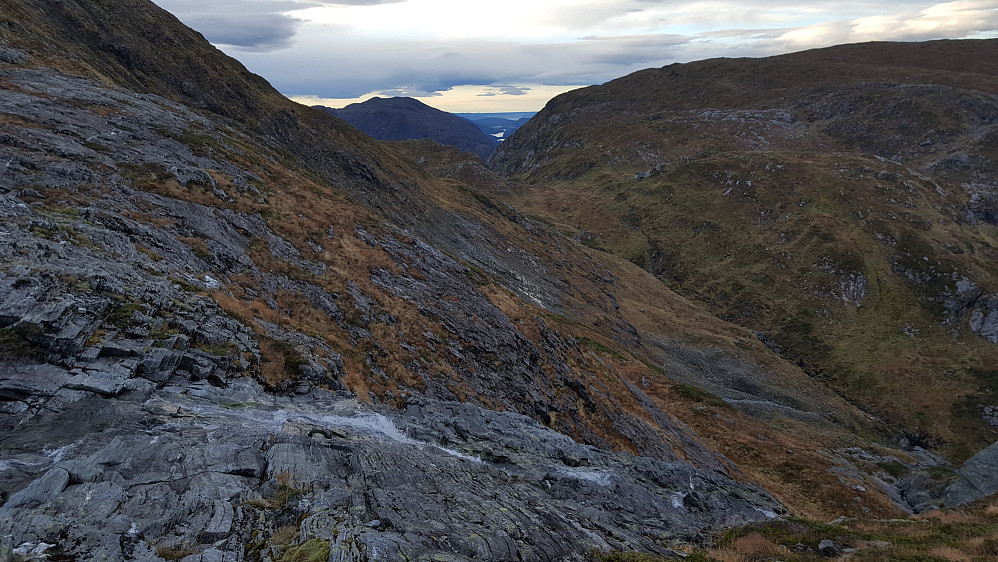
(143, 419)
(398, 119)
(839, 202)
(233, 328)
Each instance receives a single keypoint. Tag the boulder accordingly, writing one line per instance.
(978, 478)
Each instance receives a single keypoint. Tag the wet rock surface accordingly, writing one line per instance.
(219, 469)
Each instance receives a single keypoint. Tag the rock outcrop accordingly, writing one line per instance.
(976, 479)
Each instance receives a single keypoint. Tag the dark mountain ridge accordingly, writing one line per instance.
(400, 118)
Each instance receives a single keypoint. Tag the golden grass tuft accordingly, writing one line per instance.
(757, 544)
(284, 535)
(946, 516)
(951, 553)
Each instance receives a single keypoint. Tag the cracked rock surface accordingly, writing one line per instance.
(219, 469)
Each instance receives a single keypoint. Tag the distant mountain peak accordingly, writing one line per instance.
(403, 118)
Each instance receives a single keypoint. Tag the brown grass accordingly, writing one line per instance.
(757, 544)
(103, 110)
(197, 245)
(284, 535)
(149, 252)
(951, 553)
(966, 533)
(946, 516)
(16, 120)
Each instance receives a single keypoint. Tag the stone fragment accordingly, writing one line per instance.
(829, 549)
(40, 491)
(977, 478)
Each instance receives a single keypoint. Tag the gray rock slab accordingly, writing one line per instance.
(108, 381)
(978, 478)
(20, 381)
(42, 490)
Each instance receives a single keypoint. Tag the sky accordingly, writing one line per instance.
(515, 55)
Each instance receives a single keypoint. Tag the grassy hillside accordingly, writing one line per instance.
(840, 203)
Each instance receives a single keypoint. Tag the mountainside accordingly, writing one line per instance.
(841, 203)
(235, 328)
(397, 119)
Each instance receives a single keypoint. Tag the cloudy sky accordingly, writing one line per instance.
(514, 55)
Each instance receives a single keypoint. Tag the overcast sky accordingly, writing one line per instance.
(514, 55)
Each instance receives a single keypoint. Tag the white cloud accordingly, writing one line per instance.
(503, 90)
(250, 25)
(950, 20)
(352, 48)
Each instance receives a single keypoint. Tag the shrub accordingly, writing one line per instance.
(12, 345)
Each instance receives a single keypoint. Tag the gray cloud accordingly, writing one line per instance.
(407, 93)
(249, 32)
(250, 25)
(504, 90)
(374, 66)
(629, 50)
(347, 63)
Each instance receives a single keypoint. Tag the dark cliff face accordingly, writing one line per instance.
(397, 119)
(839, 201)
